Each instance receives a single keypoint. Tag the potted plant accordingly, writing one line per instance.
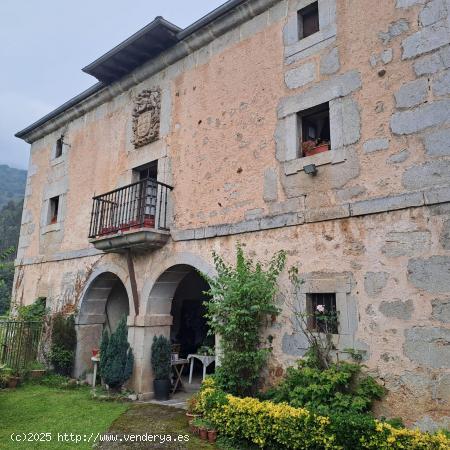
(311, 147)
(13, 378)
(5, 376)
(202, 426)
(161, 366)
(193, 408)
(37, 370)
(212, 434)
(195, 425)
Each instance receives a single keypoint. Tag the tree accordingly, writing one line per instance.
(10, 218)
(116, 357)
(242, 297)
(6, 279)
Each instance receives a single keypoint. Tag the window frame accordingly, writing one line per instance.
(312, 301)
(309, 10)
(302, 116)
(59, 147)
(54, 210)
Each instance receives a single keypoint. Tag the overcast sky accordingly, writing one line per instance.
(45, 43)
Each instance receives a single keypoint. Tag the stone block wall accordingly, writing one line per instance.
(373, 224)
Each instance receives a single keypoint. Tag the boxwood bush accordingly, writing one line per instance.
(280, 426)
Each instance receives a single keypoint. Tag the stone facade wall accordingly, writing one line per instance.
(372, 225)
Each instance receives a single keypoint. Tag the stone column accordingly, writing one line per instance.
(89, 330)
(141, 330)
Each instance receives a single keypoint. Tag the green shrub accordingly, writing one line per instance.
(34, 312)
(339, 389)
(64, 341)
(280, 426)
(5, 374)
(116, 357)
(161, 358)
(242, 296)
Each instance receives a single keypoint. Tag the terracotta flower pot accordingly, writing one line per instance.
(149, 222)
(37, 373)
(203, 434)
(191, 416)
(13, 382)
(212, 435)
(318, 149)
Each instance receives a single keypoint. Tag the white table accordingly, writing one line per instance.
(206, 360)
(95, 360)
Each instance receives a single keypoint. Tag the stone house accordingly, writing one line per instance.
(318, 127)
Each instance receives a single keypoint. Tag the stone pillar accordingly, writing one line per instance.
(89, 334)
(141, 330)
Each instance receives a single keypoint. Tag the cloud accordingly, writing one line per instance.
(16, 112)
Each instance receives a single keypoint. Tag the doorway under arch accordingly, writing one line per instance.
(189, 328)
(177, 296)
(104, 303)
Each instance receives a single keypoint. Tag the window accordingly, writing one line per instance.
(59, 147)
(53, 210)
(322, 313)
(147, 199)
(314, 130)
(308, 20)
(148, 171)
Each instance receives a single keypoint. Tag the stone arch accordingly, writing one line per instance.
(158, 291)
(155, 311)
(104, 272)
(105, 300)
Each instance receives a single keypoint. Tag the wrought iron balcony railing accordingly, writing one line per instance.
(143, 204)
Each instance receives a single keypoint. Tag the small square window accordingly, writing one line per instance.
(59, 147)
(314, 128)
(53, 210)
(308, 20)
(322, 313)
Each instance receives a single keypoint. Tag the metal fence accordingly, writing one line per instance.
(19, 343)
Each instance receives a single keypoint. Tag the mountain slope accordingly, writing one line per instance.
(12, 184)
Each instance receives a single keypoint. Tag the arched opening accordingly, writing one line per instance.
(189, 328)
(104, 303)
(179, 294)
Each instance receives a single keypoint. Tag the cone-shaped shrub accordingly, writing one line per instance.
(116, 357)
(161, 358)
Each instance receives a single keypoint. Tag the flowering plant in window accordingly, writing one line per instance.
(317, 325)
(325, 320)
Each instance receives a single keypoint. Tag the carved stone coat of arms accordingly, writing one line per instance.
(146, 117)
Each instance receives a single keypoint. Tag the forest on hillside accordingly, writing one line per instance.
(12, 188)
(12, 184)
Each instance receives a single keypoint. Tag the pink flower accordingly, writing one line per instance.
(320, 308)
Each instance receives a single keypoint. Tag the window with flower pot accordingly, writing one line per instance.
(322, 312)
(308, 20)
(314, 130)
(53, 210)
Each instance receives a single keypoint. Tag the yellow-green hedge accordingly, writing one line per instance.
(269, 425)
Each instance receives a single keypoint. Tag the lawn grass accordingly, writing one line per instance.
(156, 420)
(35, 408)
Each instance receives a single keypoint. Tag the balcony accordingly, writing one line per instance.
(131, 217)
